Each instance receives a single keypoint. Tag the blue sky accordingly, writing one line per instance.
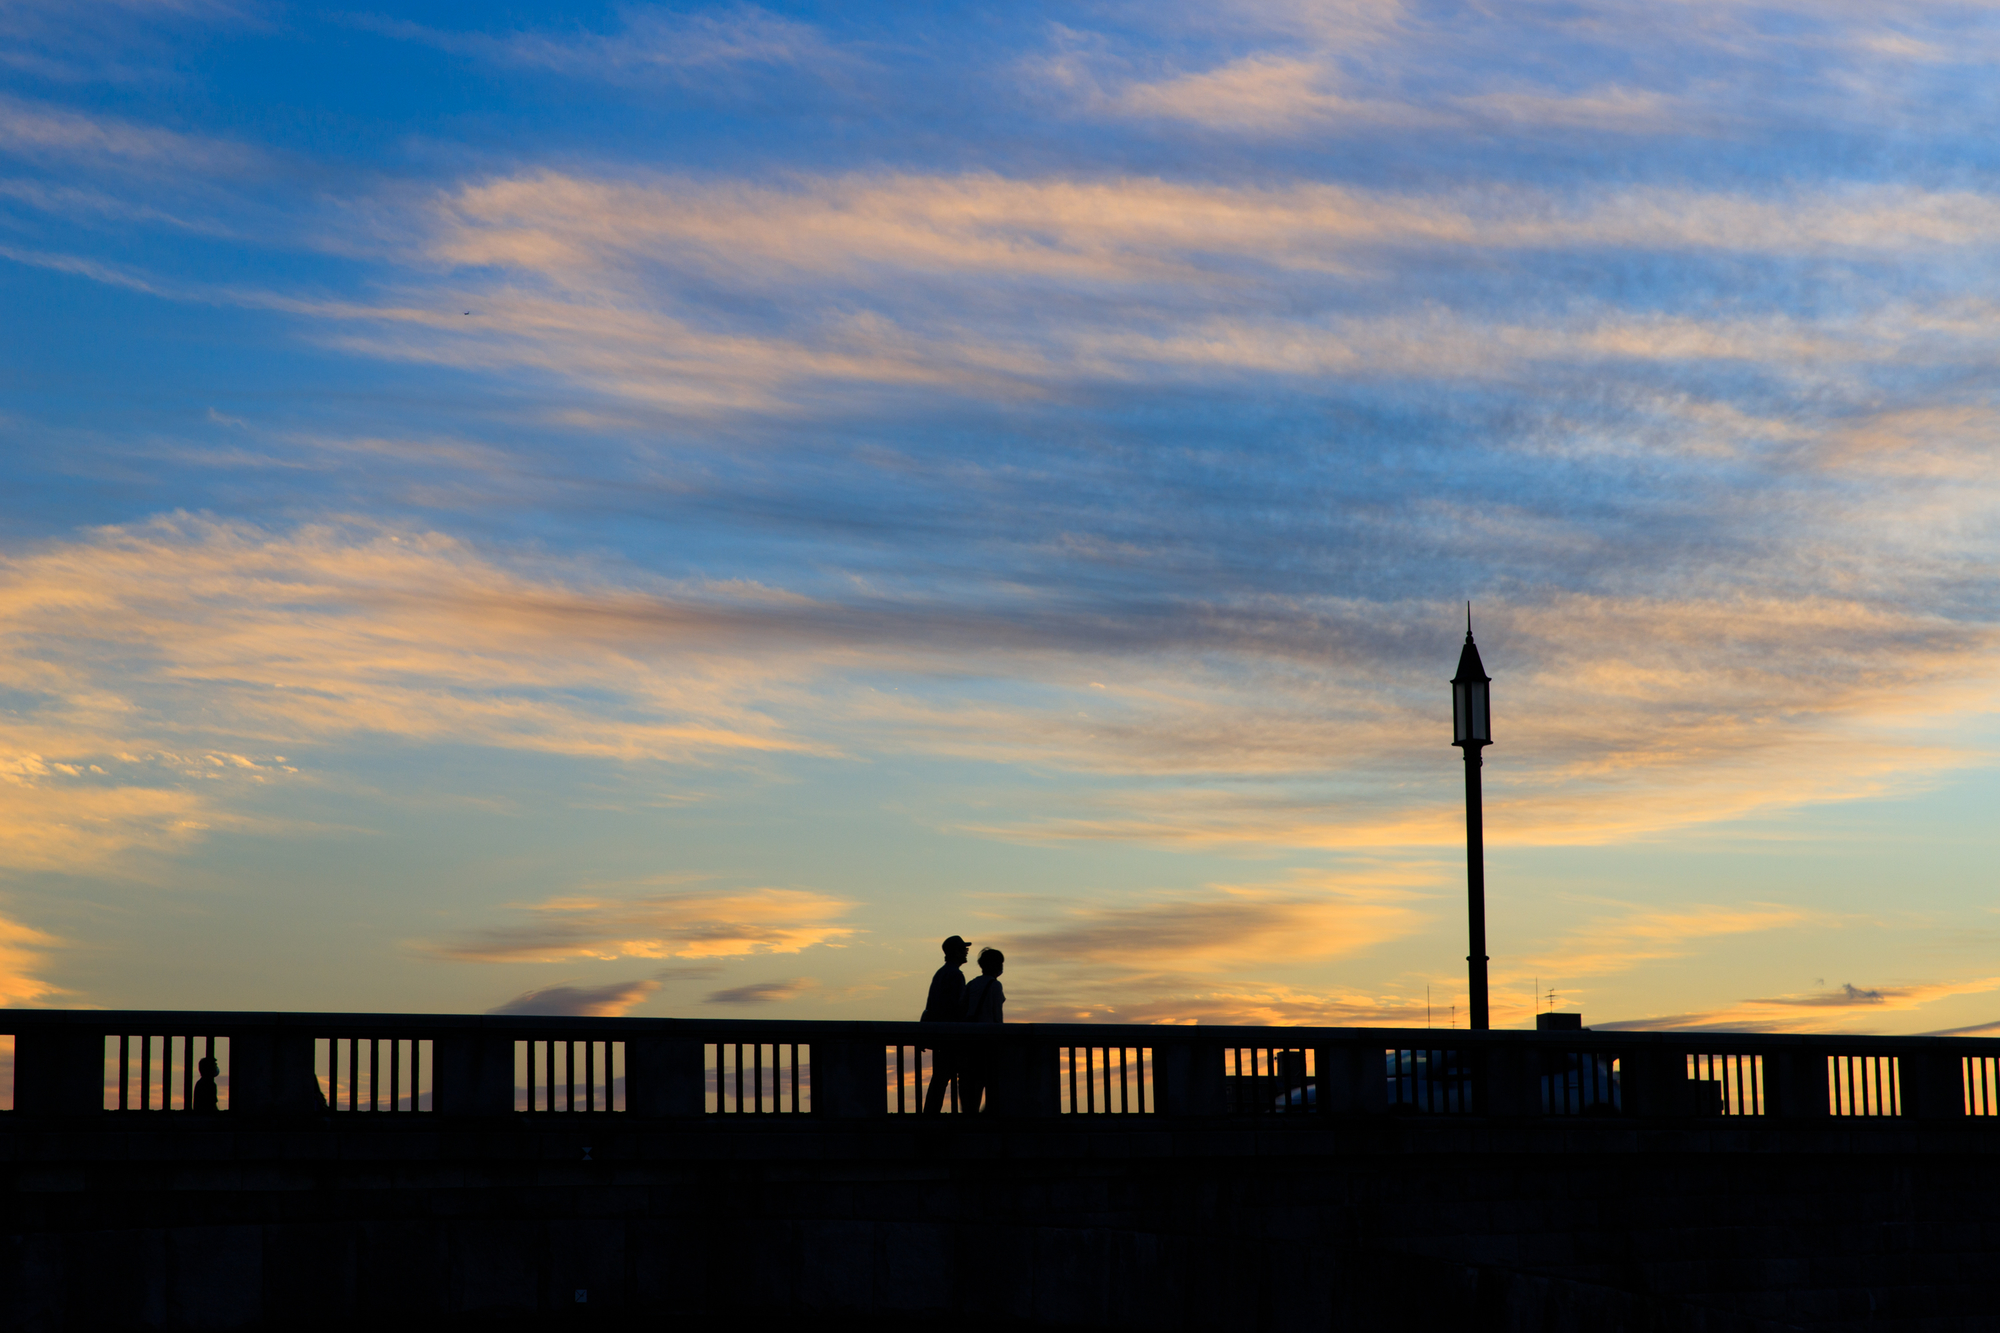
(631, 509)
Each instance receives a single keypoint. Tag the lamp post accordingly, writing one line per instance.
(1472, 727)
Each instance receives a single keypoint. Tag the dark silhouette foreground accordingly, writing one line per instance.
(204, 1088)
(983, 999)
(945, 1005)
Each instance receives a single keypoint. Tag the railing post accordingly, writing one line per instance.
(474, 1072)
(665, 1076)
(1933, 1084)
(1351, 1079)
(1795, 1081)
(1188, 1078)
(271, 1071)
(1512, 1078)
(1656, 1082)
(58, 1070)
(1024, 1078)
(849, 1082)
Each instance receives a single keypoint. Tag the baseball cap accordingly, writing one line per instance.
(954, 942)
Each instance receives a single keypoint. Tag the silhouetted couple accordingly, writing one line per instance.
(967, 1064)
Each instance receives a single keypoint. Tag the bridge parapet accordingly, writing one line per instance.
(74, 1063)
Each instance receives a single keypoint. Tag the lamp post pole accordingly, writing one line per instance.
(1472, 724)
(1475, 888)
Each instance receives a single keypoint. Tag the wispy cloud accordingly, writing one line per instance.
(1238, 1003)
(23, 958)
(1134, 230)
(1345, 71)
(613, 1000)
(1183, 957)
(1618, 942)
(708, 924)
(331, 630)
(60, 823)
(645, 291)
(1235, 927)
(1850, 1008)
(762, 992)
(650, 43)
(42, 131)
(1283, 94)
(1265, 92)
(1630, 715)
(1976, 1030)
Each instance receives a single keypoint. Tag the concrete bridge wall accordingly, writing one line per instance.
(290, 1222)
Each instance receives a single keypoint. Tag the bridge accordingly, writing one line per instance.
(555, 1172)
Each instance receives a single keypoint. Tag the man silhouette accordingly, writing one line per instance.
(945, 1005)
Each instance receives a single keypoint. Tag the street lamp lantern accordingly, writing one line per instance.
(1471, 719)
(1472, 731)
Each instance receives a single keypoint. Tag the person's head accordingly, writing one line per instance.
(955, 950)
(208, 1067)
(992, 962)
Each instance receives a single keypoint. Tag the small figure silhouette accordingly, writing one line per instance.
(946, 1004)
(204, 1087)
(984, 997)
(983, 1001)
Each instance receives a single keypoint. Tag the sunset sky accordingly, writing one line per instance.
(628, 509)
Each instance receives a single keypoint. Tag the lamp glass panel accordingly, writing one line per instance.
(1469, 713)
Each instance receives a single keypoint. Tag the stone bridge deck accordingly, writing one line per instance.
(1202, 1205)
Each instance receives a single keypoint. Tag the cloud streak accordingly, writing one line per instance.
(613, 1000)
(762, 992)
(669, 925)
(1626, 716)
(652, 43)
(23, 958)
(1848, 1009)
(656, 292)
(1186, 957)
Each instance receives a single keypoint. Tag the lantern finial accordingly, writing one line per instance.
(1472, 722)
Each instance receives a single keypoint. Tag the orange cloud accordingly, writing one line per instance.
(1182, 958)
(608, 1001)
(174, 659)
(1235, 1004)
(762, 992)
(666, 925)
(1230, 928)
(21, 956)
(582, 276)
(1617, 943)
(60, 821)
(1848, 1009)
(1634, 717)
(176, 663)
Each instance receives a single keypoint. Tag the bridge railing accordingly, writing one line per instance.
(386, 1068)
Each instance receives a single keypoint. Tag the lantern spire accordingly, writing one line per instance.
(1470, 668)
